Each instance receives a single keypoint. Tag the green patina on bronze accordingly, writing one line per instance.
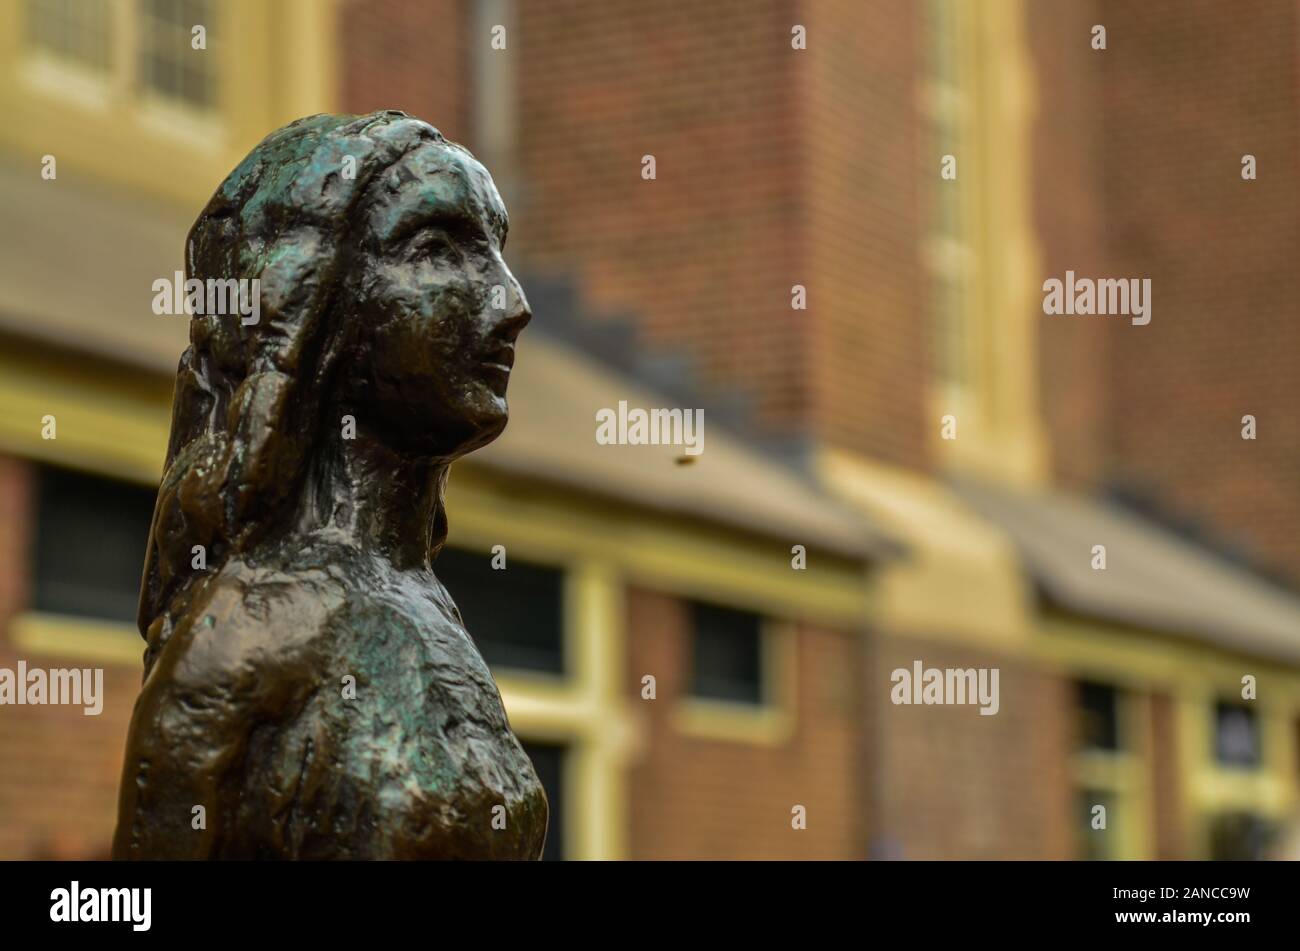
(377, 244)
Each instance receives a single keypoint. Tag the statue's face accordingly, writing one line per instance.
(441, 308)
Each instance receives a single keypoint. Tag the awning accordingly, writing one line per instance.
(1153, 578)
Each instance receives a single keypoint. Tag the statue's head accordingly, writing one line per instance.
(377, 248)
(377, 244)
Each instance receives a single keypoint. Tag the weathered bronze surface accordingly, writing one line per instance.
(387, 312)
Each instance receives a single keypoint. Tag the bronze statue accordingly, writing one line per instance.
(310, 690)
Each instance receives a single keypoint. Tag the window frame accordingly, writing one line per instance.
(120, 86)
(1121, 774)
(155, 147)
(564, 621)
(768, 723)
(1257, 763)
(762, 650)
(1267, 790)
(992, 257)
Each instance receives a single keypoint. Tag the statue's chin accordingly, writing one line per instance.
(444, 440)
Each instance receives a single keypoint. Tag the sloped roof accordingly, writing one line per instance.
(555, 393)
(1153, 578)
(77, 264)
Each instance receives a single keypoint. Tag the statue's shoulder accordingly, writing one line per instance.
(250, 616)
(268, 617)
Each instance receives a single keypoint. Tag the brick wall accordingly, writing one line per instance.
(861, 142)
(398, 54)
(705, 255)
(16, 500)
(1153, 130)
(949, 783)
(1068, 136)
(58, 790)
(705, 799)
(778, 166)
(1167, 806)
(767, 176)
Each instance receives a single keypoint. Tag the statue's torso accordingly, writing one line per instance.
(341, 713)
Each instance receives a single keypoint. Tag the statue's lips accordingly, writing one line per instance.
(502, 358)
(499, 362)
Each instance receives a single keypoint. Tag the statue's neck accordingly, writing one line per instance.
(382, 501)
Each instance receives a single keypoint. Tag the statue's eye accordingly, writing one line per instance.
(436, 245)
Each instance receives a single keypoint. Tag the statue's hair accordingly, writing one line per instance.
(247, 399)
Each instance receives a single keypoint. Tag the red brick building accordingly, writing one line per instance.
(951, 456)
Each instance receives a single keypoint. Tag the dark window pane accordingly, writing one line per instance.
(73, 29)
(728, 654)
(1241, 837)
(90, 543)
(515, 614)
(548, 760)
(1236, 735)
(169, 65)
(1098, 716)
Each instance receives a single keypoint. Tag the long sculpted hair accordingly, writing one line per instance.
(248, 398)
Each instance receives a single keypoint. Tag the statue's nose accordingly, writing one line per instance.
(517, 314)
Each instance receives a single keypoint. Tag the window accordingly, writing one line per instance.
(947, 252)
(72, 30)
(727, 654)
(548, 760)
(90, 543)
(1236, 735)
(1241, 837)
(1098, 711)
(1108, 770)
(514, 614)
(141, 46)
(169, 66)
(978, 241)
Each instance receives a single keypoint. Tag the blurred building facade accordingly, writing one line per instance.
(777, 168)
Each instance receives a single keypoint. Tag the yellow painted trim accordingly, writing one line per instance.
(677, 556)
(118, 428)
(1126, 776)
(600, 766)
(1194, 676)
(999, 429)
(1141, 659)
(1269, 790)
(62, 635)
(733, 722)
(770, 723)
(306, 81)
(586, 711)
(961, 579)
